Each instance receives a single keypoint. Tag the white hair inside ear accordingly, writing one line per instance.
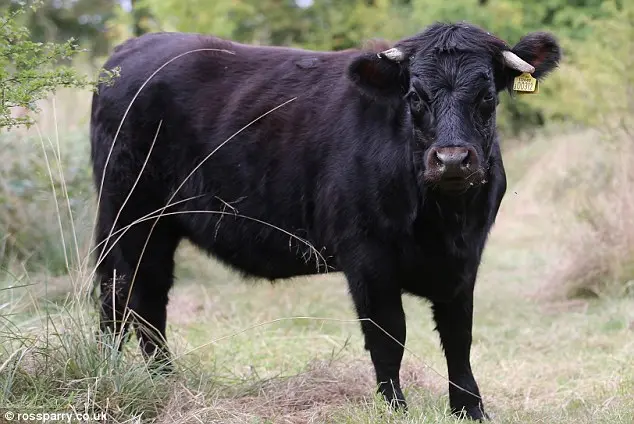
(393, 54)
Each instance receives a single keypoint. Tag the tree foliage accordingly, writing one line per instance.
(599, 78)
(31, 70)
(58, 20)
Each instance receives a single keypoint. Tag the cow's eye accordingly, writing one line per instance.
(416, 103)
(487, 104)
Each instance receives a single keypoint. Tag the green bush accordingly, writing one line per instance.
(30, 71)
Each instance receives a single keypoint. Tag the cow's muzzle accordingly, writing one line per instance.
(453, 169)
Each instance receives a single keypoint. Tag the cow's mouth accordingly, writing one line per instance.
(454, 185)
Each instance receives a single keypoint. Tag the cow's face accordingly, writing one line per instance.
(447, 81)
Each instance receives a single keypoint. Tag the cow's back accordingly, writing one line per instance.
(244, 130)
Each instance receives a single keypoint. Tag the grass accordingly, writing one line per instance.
(293, 352)
(600, 242)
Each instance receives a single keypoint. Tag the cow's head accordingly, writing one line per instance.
(447, 80)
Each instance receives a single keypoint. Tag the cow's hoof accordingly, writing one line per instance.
(398, 405)
(160, 367)
(394, 397)
(475, 413)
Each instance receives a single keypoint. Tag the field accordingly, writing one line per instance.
(292, 352)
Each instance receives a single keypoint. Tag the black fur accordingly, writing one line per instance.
(358, 165)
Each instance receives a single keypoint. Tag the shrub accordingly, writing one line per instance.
(30, 71)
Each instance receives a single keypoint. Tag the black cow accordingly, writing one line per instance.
(385, 161)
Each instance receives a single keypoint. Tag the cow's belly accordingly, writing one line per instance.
(256, 247)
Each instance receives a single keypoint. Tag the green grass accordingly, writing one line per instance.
(293, 352)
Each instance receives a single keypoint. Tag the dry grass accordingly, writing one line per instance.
(576, 187)
(306, 397)
(595, 219)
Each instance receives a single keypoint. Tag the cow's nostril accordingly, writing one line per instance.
(439, 158)
(467, 159)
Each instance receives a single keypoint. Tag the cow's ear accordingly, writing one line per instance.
(381, 76)
(541, 50)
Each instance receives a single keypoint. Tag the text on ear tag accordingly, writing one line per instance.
(525, 83)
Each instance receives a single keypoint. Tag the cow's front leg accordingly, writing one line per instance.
(380, 302)
(454, 321)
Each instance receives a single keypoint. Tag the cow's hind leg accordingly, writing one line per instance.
(142, 261)
(157, 273)
(114, 288)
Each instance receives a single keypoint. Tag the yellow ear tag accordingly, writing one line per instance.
(525, 84)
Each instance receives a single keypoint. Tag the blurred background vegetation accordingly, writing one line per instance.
(98, 25)
(592, 90)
